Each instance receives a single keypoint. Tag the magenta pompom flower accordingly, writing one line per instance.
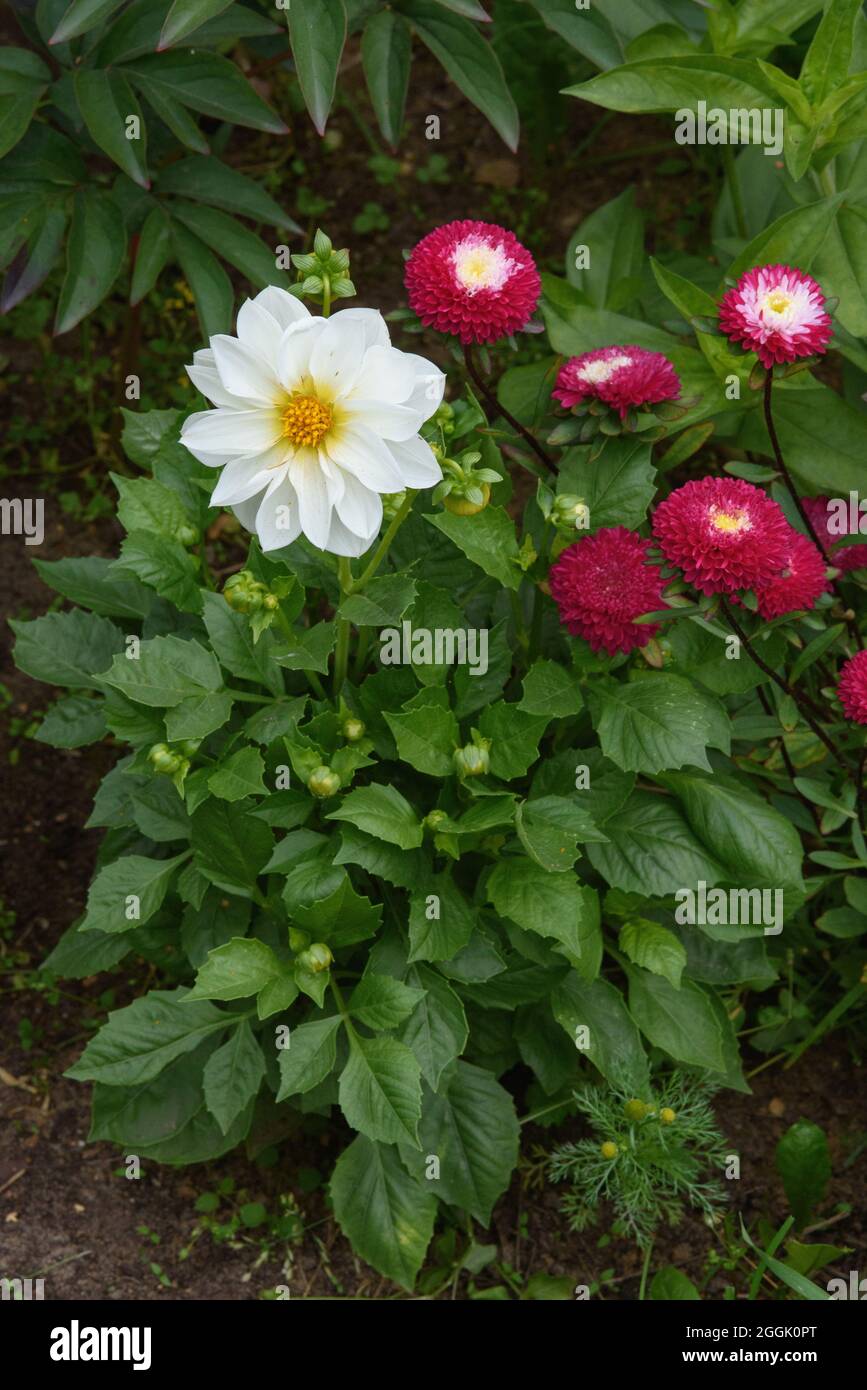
(621, 377)
(723, 533)
(798, 584)
(852, 688)
(852, 557)
(602, 583)
(778, 312)
(474, 280)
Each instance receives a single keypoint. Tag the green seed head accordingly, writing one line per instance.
(608, 1150)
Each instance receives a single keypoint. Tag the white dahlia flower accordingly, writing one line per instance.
(314, 419)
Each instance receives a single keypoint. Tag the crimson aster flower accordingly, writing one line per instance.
(798, 584)
(852, 688)
(778, 312)
(474, 280)
(602, 583)
(851, 557)
(619, 376)
(723, 533)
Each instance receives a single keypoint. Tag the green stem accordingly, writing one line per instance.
(344, 1012)
(341, 655)
(826, 179)
(735, 189)
(326, 296)
(355, 585)
(645, 1269)
(498, 408)
(250, 697)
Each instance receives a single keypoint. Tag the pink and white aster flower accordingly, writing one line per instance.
(315, 418)
(621, 377)
(474, 280)
(778, 312)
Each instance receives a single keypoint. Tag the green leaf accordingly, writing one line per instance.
(550, 828)
(614, 237)
(827, 62)
(487, 539)
(231, 846)
(618, 488)
(426, 738)
(795, 238)
(236, 970)
(470, 62)
(206, 179)
(596, 1019)
(73, 722)
(164, 565)
(680, 1021)
(89, 581)
(441, 920)
(804, 1164)
(66, 648)
(309, 1058)
(239, 776)
(587, 30)
(384, 601)
(205, 82)
(16, 113)
(382, 1003)
(310, 648)
(167, 671)
(341, 918)
(822, 437)
(680, 83)
(132, 885)
(140, 1040)
(669, 1285)
(655, 948)
(317, 37)
(386, 46)
(656, 722)
(211, 286)
(551, 905)
(382, 812)
(82, 16)
(233, 1075)
(549, 689)
(514, 738)
(78, 954)
(652, 850)
(380, 1090)
(473, 1130)
(159, 812)
(94, 255)
(146, 505)
(106, 101)
(198, 715)
(156, 1111)
(232, 640)
(183, 18)
(436, 1031)
(232, 241)
(387, 1215)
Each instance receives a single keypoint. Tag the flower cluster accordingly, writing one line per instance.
(778, 312)
(602, 583)
(623, 378)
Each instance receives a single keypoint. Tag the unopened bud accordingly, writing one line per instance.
(667, 1115)
(635, 1110)
(323, 783)
(353, 730)
(316, 958)
(473, 759)
(608, 1150)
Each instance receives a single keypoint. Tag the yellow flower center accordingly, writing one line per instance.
(729, 521)
(779, 301)
(306, 419)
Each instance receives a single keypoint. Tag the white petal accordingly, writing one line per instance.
(246, 477)
(259, 330)
(335, 478)
(417, 463)
(246, 512)
(359, 509)
(205, 377)
(284, 307)
(342, 541)
(358, 451)
(293, 356)
(430, 385)
(231, 431)
(386, 420)
(386, 375)
(311, 486)
(278, 520)
(337, 357)
(243, 371)
(374, 325)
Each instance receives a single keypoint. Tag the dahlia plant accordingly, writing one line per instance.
(414, 774)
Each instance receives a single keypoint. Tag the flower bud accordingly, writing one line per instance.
(187, 535)
(163, 760)
(473, 759)
(189, 747)
(316, 958)
(608, 1150)
(270, 601)
(323, 783)
(570, 513)
(475, 501)
(667, 1115)
(353, 729)
(298, 939)
(635, 1110)
(434, 819)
